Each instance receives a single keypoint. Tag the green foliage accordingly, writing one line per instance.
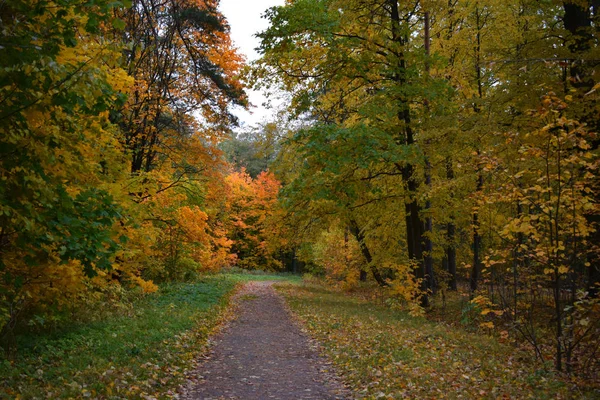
(254, 150)
(182, 270)
(58, 154)
(244, 154)
(78, 229)
(457, 141)
(29, 38)
(85, 162)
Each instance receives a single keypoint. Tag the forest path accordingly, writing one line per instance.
(263, 354)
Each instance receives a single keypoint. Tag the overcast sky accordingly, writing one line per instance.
(245, 21)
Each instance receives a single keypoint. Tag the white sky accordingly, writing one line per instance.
(245, 21)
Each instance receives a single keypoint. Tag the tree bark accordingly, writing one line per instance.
(450, 236)
(578, 21)
(414, 224)
(428, 243)
(476, 268)
(364, 249)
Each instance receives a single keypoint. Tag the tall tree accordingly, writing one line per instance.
(357, 63)
(581, 21)
(182, 61)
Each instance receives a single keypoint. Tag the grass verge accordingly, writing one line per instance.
(386, 354)
(242, 275)
(140, 355)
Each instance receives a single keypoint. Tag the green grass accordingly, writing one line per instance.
(135, 351)
(387, 354)
(141, 354)
(241, 275)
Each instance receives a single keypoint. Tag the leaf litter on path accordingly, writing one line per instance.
(263, 354)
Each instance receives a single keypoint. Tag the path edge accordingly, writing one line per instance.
(332, 374)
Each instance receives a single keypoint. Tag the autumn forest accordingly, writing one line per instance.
(435, 158)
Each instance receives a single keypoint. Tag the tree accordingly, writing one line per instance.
(58, 152)
(581, 22)
(185, 72)
(182, 61)
(358, 63)
(436, 103)
(254, 150)
(252, 224)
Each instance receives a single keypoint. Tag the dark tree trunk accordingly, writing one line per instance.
(428, 243)
(451, 255)
(450, 236)
(578, 21)
(476, 268)
(362, 272)
(414, 223)
(364, 249)
(294, 262)
(363, 275)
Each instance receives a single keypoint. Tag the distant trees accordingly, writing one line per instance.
(253, 150)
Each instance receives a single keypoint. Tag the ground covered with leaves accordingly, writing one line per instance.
(382, 353)
(140, 352)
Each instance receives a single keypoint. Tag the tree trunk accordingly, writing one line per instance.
(414, 224)
(450, 256)
(364, 249)
(428, 243)
(363, 275)
(294, 262)
(476, 268)
(578, 21)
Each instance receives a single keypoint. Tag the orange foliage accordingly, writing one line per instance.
(252, 206)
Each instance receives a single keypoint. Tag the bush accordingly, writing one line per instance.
(184, 269)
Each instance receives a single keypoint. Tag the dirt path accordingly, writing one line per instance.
(263, 355)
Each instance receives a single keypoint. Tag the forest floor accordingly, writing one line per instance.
(263, 354)
(385, 353)
(236, 336)
(134, 346)
(123, 345)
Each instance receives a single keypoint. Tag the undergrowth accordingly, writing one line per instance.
(141, 353)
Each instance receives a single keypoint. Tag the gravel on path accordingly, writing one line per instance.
(263, 354)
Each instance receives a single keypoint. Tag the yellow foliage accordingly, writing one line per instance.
(406, 288)
(488, 325)
(147, 286)
(338, 253)
(253, 219)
